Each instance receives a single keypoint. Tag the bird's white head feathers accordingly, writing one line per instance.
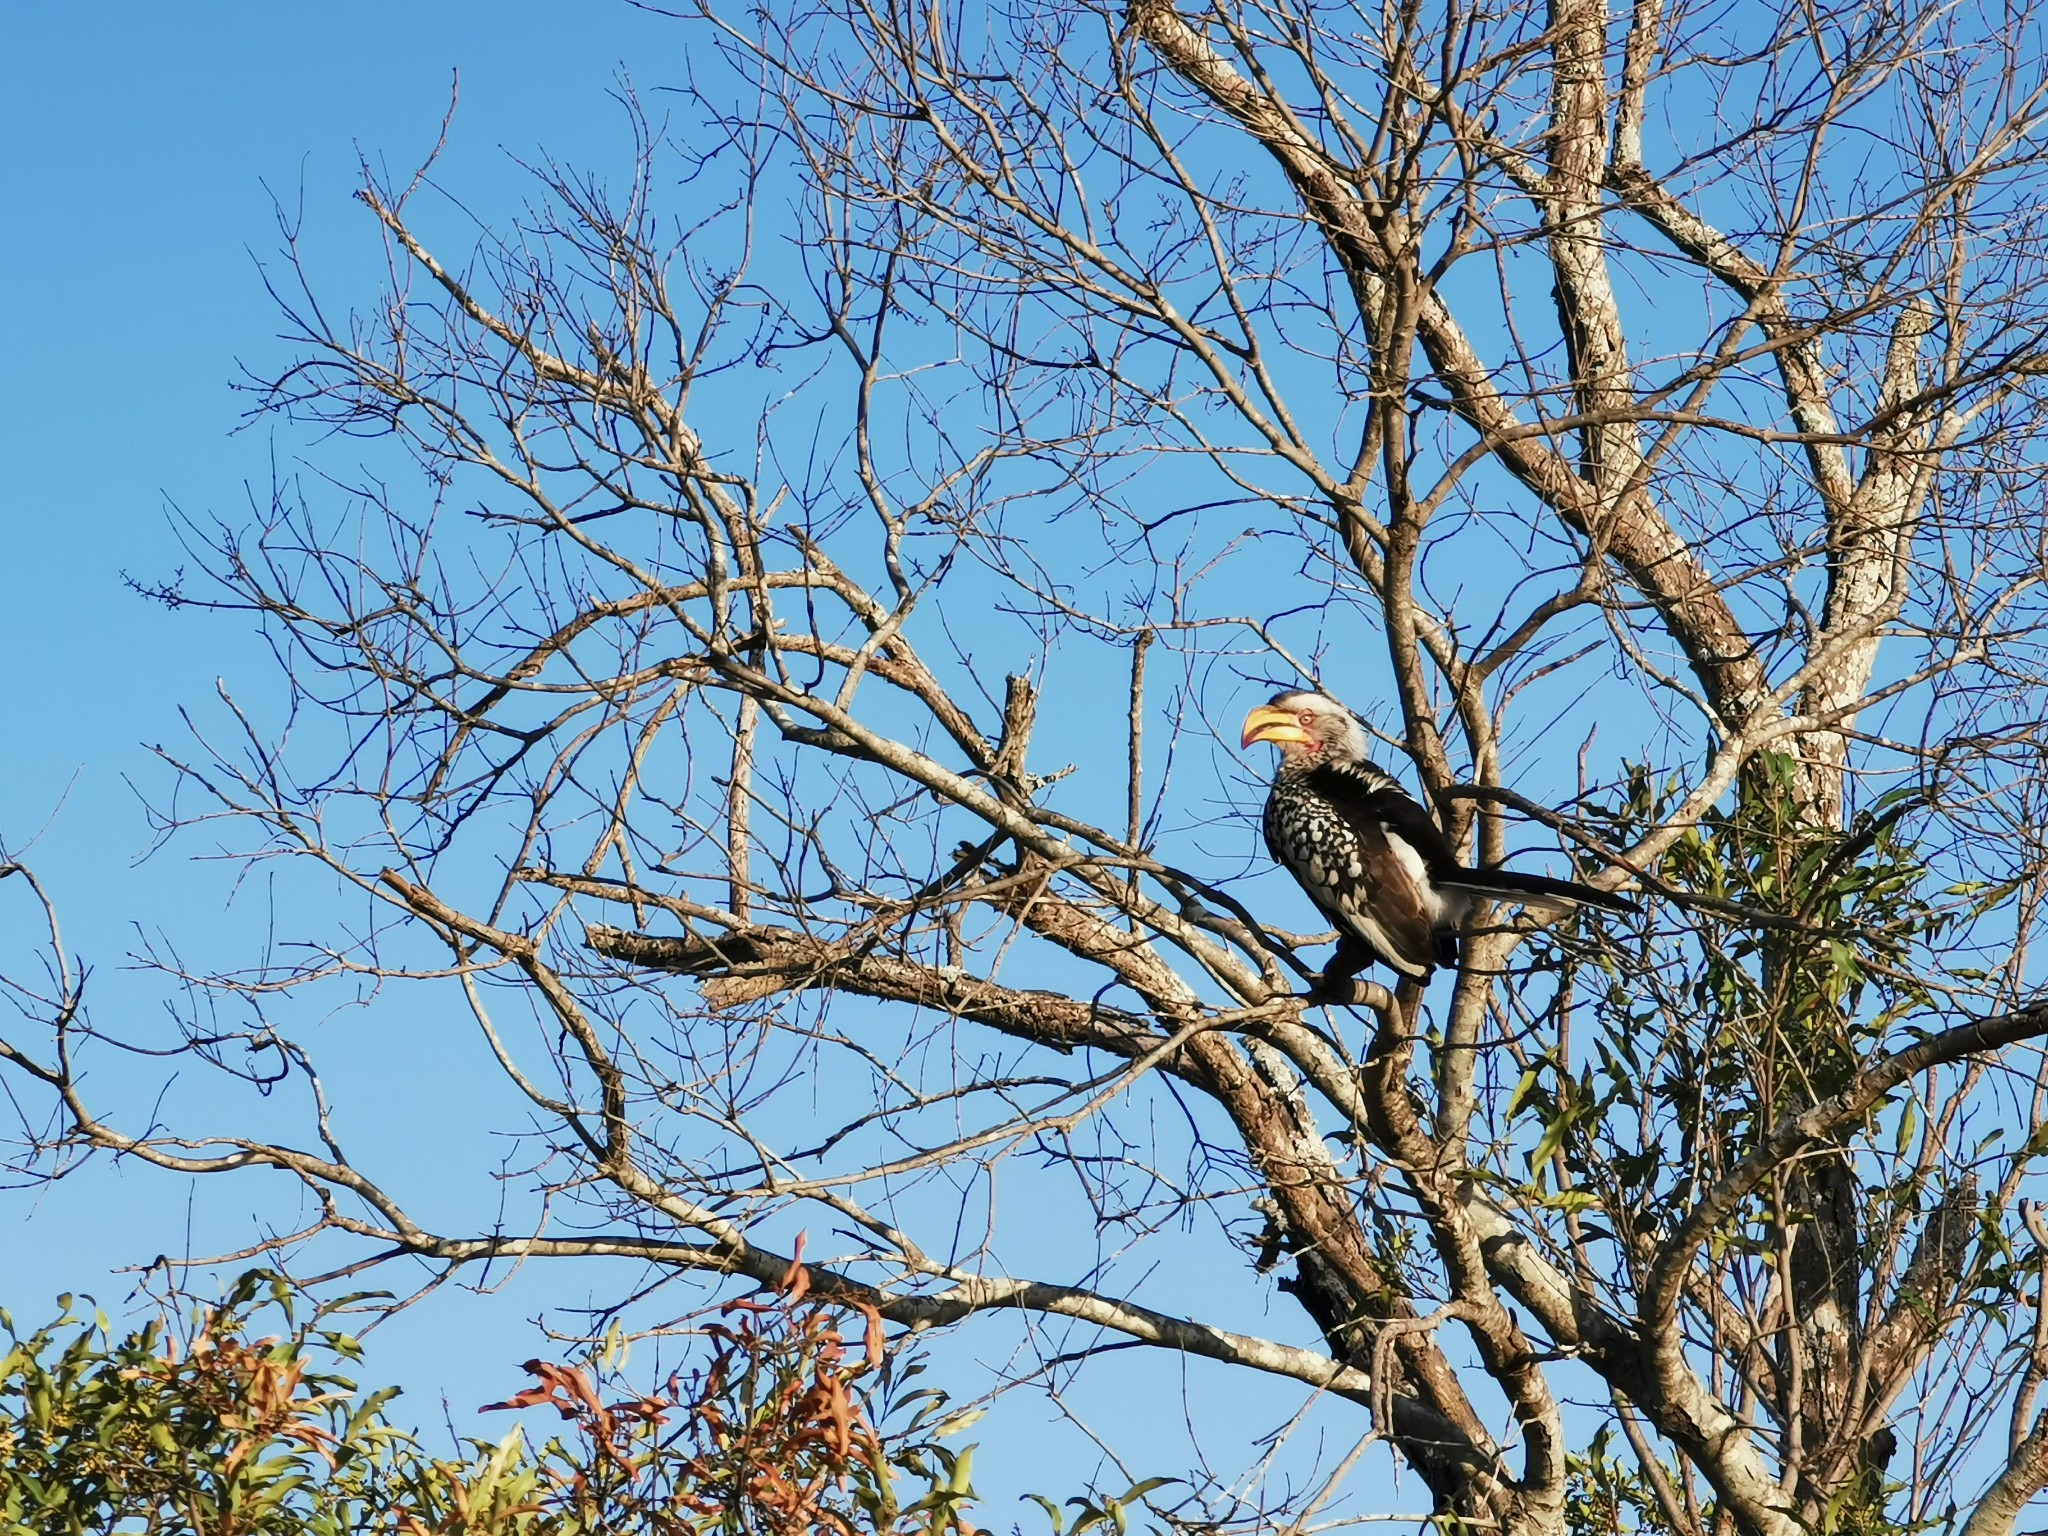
(1308, 726)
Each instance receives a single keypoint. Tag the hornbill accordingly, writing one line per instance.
(1373, 860)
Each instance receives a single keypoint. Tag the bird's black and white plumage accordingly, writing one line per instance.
(1372, 859)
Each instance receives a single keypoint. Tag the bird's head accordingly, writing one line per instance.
(1307, 727)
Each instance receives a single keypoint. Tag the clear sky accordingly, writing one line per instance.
(149, 150)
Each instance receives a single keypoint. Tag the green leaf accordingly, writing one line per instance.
(1522, 1090)
(963, 1467)
(1138, 1490)
(1052, 1512)
(1553, 1137)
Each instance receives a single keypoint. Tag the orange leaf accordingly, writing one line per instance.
(794, 1279)
(872, 1341)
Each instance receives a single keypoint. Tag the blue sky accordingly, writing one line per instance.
(146, 146)
(150, 150)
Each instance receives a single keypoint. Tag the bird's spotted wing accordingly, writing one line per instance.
(1363, 794)
(1352, 846)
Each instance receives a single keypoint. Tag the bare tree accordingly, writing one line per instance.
(790, 691)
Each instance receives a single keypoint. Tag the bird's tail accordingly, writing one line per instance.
(1539, 893)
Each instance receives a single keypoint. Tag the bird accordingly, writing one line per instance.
(1372, 859)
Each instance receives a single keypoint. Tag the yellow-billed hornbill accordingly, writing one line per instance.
(1372, 859)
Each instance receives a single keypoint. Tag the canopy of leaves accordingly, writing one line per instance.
(779, 1429)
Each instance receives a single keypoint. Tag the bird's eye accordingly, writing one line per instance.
(1308, 717)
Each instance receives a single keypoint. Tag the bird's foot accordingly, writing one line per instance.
(1339, 982)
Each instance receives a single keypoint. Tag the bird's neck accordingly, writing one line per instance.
(1359, 770)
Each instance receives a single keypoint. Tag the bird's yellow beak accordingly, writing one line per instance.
(1267, 723)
